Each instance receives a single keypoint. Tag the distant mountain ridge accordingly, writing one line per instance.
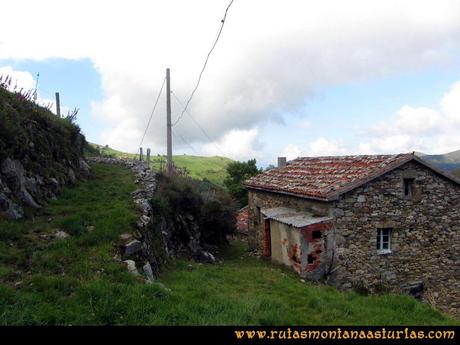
(448, 162)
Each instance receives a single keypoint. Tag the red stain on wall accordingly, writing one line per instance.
(294, 256)
(315, 243)
(267, 239)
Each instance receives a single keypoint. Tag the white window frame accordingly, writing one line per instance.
(381, 233)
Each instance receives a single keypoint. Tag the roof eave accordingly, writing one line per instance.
(392, 167)
(297, 195)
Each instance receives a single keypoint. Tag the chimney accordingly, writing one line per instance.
(281, 162)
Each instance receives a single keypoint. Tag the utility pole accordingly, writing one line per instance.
(58, 105)
(169, 162)
(36, 87)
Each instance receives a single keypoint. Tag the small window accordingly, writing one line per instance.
(316, 234)
(384, 241)
(310, 259)
(408, 187)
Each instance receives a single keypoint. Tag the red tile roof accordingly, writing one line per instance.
(325, 178)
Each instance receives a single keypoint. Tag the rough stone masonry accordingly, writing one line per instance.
(395, 223)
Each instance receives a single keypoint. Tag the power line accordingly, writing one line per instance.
(205, 63)
(185, 141)
(198, 125)
(153, 111)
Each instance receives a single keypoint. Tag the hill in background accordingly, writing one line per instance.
(448, 162)
(211, 168)
(456, 172)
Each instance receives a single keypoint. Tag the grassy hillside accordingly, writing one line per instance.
(44, 143)
(456, 172)
(44, 280)
(211, 168)
(449, 161)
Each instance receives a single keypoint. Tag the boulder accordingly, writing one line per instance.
(126, 237)
(85, 170)
(148, 272)
(132, 248)
(60, 235)
(8, 208)
(17, 183)
(72, 177)
(131, 265)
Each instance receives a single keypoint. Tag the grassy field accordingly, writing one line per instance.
(211, 168)
(77, 281)
(456, 172)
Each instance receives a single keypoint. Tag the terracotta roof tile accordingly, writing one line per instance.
(323, 177)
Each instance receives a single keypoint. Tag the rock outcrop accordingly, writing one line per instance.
(39, 154)
(20, 188)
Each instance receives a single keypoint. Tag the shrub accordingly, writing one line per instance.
(207, 206)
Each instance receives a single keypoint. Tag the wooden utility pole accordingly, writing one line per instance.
(168, 124)
(58, 105)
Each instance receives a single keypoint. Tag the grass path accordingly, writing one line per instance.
(76, 281)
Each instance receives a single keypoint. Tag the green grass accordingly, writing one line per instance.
(456, 172)
(211, 168)
(76, 281)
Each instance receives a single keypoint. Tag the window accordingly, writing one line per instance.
(316, 234)
(408, 187)
(384, 241)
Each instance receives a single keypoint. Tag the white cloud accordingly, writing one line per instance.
(450, 103)
(19, 79)
(272, 55)
(325, 147)
(419, 120)
(419, 128)
(291, 152)
(23, 81)
(318, 147)
(240, 144)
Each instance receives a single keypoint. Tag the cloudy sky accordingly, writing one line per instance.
(291, 77)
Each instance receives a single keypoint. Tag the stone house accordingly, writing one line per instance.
(374, 223)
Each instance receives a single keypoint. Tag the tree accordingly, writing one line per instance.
(238, 172)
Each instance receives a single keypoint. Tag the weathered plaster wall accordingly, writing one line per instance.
(425, 240)
(286, 245)
(263, 200)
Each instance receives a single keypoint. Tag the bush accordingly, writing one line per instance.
(207, 206)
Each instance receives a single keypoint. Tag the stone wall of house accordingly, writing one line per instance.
(264, 199)
(425, 237)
